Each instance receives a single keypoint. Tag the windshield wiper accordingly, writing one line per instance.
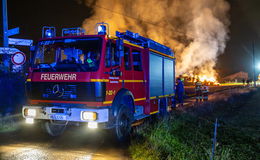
(52, 67)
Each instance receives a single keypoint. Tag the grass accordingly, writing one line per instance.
(10, 123)
(188, 136)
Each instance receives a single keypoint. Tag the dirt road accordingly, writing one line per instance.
(31, 144)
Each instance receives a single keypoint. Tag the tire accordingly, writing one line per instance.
(54, 129)
(123, 122)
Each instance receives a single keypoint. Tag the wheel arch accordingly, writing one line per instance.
(123, 96)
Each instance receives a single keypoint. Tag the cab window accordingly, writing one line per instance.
(137, 60)
(112, 58)
(127, 59)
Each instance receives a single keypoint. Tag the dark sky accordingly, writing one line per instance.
(31, 15)
(244, 30)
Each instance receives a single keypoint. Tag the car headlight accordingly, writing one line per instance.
(86, 115)
(30, 112)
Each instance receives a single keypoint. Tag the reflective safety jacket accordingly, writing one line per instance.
(205, 89)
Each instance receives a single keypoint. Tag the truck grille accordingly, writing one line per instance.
(56, 110)
(61, 91)
(82, 91)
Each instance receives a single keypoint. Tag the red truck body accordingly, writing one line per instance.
(131, 71)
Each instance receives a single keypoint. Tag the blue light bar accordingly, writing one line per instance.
(73, 31)
(102, 28)
(48, 32)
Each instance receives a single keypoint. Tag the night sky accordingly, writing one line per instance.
(244, 30)
(31, 15)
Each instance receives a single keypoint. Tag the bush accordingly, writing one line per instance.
(12, 95)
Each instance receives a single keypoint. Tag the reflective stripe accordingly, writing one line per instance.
(107, 102)
(154, 112)
(107, 80)
(139, 99)
(132, 81)
(167, 95)
(99, 80)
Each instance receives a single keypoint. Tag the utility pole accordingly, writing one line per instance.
(254, 64)
(5, 32)
(5, 23)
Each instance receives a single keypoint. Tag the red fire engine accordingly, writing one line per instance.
(98, 80)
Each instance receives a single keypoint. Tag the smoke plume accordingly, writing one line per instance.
(197, 30)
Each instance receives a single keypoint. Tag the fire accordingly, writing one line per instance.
(206, 78)
(197, 43)
(210, 80)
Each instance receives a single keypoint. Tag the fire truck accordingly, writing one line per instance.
(100, 81)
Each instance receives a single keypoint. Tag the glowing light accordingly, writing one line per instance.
(32, 112)
(258, 66)
(88, 157)
(102, 30)
(92, 125)
(48, 33)
(29, 120)
(89, 116)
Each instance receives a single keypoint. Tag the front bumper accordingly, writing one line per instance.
(71, 114)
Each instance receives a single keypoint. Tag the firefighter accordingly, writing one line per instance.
(205, 92)
(180, 91)
(92, 59)
(198, 90)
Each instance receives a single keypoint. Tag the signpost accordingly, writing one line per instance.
(13, 31)
(5, 23)
(7, 50)
(20, 42)
(18, 58)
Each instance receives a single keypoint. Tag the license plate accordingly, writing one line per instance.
(58, 117)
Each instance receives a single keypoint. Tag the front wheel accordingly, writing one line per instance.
(122, 128)
(54, 129)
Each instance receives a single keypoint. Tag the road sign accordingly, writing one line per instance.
(7, 50)
(18, 58)
(13, 31)
(20, 42)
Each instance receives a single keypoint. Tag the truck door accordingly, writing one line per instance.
(127, 69)
(139, 80)
(113, 70)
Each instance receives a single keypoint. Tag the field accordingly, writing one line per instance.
(187, 134)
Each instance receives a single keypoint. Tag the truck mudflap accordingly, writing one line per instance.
(66, 114)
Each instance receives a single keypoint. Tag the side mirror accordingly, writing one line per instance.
(119, 49)
(116, 73)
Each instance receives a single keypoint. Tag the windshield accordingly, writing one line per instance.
(72, 54)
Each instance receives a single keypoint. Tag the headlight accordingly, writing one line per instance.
(92, 116)
(30, 112)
